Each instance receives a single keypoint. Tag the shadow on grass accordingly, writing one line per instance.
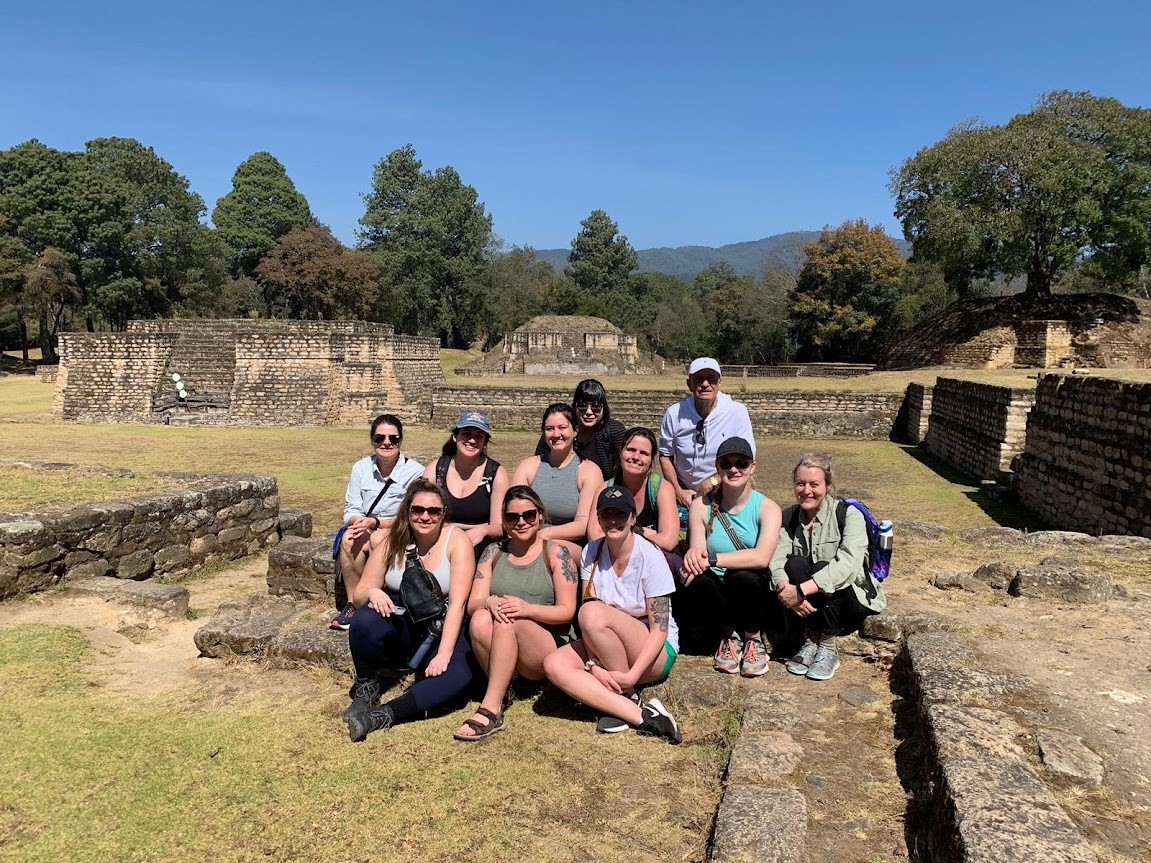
(1004, 513)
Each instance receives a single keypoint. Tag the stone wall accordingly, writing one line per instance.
(46, 374)
(797, 370)
(1042, 344)
(807, 414)
(1087, 463)
(918, 402)
(247, 372)
(977, 428)
(169, 533)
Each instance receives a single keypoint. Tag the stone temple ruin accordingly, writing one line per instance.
(562, 345)
(246, 372)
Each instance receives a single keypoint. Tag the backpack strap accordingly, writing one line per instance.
(841, 515)
(739, 544)
(589, 587)
(442, 471)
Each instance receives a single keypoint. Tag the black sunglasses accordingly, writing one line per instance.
(433, 511)
(393, 439)
(729, 463)
(528, 516)
(594, 407)
(700, 435)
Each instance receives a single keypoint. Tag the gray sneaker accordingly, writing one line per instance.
(728, 656)
(824, 665)
(799, 663)
(754, 661)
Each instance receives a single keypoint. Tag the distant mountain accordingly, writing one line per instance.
(686, 262)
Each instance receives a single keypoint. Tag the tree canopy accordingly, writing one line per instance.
(310, 274)
(1068, 181)
(601, 259)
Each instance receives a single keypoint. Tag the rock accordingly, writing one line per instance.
(295, 523)
(766, 712)
(1066, 756)
(858, 696)
(815, 781)
(993, 536)
(202, 546)
(885, 626)
(758, 824)
(997, 574)
(172, 558)
(1061, 583)
(763, 758)
(918, 531)
(171, 599)
(135, 565)
(97, 568)
(315, 645)
(1057, 537)
(949, 579)
(944, 669)
(300, 567)
(695, 684)
(246, 626)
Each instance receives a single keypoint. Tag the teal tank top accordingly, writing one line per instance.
(745, 523)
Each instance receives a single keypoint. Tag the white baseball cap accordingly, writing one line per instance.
(701, 363)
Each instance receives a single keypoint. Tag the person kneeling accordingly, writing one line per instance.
(629, 636)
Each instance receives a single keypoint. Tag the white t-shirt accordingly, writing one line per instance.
(695, 462)
(647, 574)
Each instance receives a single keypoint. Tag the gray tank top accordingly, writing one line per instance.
(558, 488)
(531, 582)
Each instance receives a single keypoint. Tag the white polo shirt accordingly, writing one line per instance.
(695, 461)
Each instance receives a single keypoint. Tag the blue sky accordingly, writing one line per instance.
(688, 123)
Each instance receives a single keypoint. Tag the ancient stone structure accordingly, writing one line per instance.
(818, 414)
(918, 403)
(246, 372)
(1087, 461)
(977, 428)
(168, 533)
(562, 345)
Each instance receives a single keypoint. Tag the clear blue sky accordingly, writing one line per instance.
(688, 123)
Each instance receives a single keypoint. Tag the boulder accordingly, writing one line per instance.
(1062, 583)
(996, 574)
(1065, 756)
(949, 579)
(246, 626)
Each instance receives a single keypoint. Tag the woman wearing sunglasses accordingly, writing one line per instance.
(375, 489)
(474, 483)
(382, 634)
(564, 482)
(598, 437)
(522, 604)
(628, 635)
(732, 534)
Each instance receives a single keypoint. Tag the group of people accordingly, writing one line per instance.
(567, 570)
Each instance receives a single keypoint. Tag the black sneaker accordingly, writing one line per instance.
(657, 722)
(342, 622)
(613, 724)
(365, 694)
(364, 722)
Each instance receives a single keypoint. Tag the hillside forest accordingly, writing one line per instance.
(1055, 200)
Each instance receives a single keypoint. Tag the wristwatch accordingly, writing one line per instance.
(712, 558)
(590, 664)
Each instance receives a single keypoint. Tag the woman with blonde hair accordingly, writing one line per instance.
(381, 632)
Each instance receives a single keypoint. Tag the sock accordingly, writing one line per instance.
(404, 708)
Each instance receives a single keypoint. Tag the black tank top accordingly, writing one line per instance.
(476, 508)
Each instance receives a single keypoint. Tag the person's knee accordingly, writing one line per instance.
(592, 615)
(557, 663)
(377, 538)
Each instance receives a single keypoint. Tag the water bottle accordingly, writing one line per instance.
(435, 630)
(886, 535)
(881, 560)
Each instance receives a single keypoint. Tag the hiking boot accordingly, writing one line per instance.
(613, 724)
(657, 722)
(342, 622)
(754, 660)
(364, 722)
(799, 663)
(824, 665)
(729, 654)
(365, 694)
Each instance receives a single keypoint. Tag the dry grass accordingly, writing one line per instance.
(23, 489)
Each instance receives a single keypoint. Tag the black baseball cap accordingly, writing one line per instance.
(615, 497)
(734, 446)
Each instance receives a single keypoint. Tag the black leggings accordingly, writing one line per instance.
(708, 609)
(838, 613)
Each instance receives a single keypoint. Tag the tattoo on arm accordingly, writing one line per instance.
(661, 611)
(567, 565)
(490, 552)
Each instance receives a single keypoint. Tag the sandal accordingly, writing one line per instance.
(495, 722)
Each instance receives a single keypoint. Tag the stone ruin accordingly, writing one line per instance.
(246, 372)
(563, 345)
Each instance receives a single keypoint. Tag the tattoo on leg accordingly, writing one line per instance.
(660, 611)
(567, 565)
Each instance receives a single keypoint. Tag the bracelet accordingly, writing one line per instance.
(590, 664)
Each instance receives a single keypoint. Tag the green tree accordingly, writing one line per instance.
(1071, 179)
(748, 318)
(517, 286)
(843, 304)
(262, 207)
(49, 285)
(676, 327)
(310, 274)
(601, 258)
(429, 234)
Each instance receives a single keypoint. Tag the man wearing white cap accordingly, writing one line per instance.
(693, 429)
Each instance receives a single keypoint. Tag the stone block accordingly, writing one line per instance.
(997, 574)
(98, 568)
(168, 598)
(36, 558)
(763, 758)
(314, 645)
(944, 669)
(22, 532)
(295, 523)
(263, 525)
(203, 546)
(136, 565)
(1065, 755)
(760, 825)
(246, 626)
(231, 535)
(1061, 583)
(885, 626)
(949, 579)
(173, 558)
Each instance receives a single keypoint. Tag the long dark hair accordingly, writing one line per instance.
(400, 533)
(591, 390)
(559, 408)
(629, 435)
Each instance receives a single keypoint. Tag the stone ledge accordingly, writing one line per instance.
(171, 599)
(760, 825)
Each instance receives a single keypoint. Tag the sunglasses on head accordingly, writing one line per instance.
(729, 463)
(528, 516)
(432, 511)
(594, 407)
(379, 439)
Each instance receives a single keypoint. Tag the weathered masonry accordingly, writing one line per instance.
(978, 428)
(246, 372)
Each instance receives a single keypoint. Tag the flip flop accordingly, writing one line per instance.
(495, 723)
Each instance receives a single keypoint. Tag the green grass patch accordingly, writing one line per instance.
(23, 397)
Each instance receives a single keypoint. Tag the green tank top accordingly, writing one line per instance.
(530, 582)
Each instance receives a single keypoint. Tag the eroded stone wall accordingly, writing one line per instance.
(977, 428)
(1088, 454)
(819, 414)
(110, 377)
(918, 401)
(168, 533)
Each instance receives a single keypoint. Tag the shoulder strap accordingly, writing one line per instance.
(442, 471)
(589, 586)
(841, 514)
(727, 525)
(387, 484)
(793, 522)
